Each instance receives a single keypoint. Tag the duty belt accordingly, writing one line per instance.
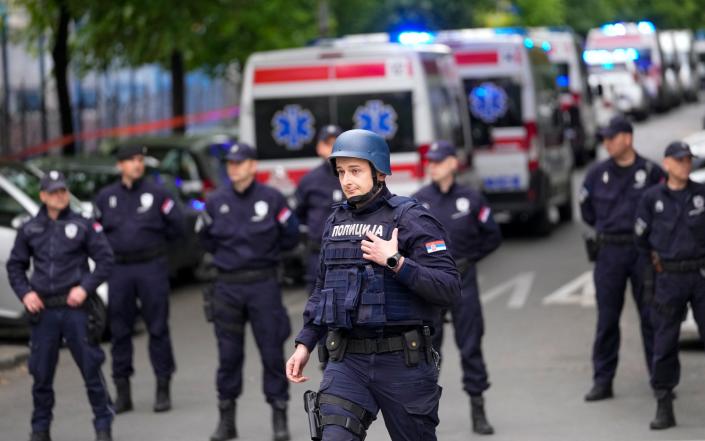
(683, 266)
(375, 345)
(615, 239)
(247, 276)
(141, 255)
(51, 302)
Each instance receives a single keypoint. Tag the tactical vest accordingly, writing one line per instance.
(356, 291)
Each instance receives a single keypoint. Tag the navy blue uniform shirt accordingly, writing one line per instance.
(138, 218)
(58, 251)
(429, 270)
(247, 230)
(467, 218)
(672, 223)
(610, 194)
(316, 193)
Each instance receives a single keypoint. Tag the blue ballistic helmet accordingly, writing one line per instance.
(363, 144)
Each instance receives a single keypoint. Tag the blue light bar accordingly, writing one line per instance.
(646, 27)
(415, 37)
(510, 31)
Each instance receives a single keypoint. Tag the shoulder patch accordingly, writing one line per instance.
(436, 245)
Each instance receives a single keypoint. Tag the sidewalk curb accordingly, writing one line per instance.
(13, 361)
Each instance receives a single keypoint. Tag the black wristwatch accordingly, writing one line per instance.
(393, 261)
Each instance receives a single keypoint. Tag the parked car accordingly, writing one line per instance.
(86, 175)
(19, 202)
(195, 161)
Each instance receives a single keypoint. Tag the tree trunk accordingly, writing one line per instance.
(60, 55)
(178, 104)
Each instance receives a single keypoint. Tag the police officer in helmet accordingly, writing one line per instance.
(60, 298)
(670, 227)
(384, 273)
(473, 235)
(246, 225)
(608, 203)
(139, 217)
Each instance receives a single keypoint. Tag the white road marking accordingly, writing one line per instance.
(579, 291)
(518, 288)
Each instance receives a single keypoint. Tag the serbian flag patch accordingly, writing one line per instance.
(167, 205)
(438, 245)
(484, 214)
(98, 228)
(284, 215)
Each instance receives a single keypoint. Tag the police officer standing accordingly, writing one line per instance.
(315, 195)
(670, 226)
(58, 296)
(473, 235)
(246, 225)
(139, 217)
(608, 203)
(384, 273)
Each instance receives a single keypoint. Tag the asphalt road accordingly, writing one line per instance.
(540, 319)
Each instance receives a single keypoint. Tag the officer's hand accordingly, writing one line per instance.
(296, 364)
(76, 297)
(33, 302)
(379, 250)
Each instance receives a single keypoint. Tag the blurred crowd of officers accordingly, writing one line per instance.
(383, 271)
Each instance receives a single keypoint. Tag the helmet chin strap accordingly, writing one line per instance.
(357, 202)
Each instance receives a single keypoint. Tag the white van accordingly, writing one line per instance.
(671, 66)
(520, 151)
(640, 43)
(616, 79)
(566, 49)
(687, 64)
(410, 95)
(699, 48)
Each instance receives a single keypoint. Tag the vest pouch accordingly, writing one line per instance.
(342, 286)
(372, 300)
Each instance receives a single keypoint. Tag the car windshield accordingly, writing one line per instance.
(22, 179)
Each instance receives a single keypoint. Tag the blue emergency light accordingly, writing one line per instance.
(562, 81)
(546, 46)
(415, 37)
(529, 43)
(646, 27)
(197, 205)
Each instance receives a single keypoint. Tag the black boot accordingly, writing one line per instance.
(599, 392)
(123, 401)
(226, 425)
(279, 421)
(665, 417)
(162, 402)
(479, 419)
(103, 435)
(40, 436)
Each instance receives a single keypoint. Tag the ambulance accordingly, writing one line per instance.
(565, 53)
(410, 94)
(640, 43)
(520, 154)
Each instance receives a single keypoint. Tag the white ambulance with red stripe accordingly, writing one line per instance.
(520, 151)
(565, 51)
(410, 95)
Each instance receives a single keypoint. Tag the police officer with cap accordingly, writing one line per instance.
(57, 243)
(608, 203)
(139, 217)
(473, 235)
(670, 227)
(246, 225)
(384, 273)
(315, 195)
